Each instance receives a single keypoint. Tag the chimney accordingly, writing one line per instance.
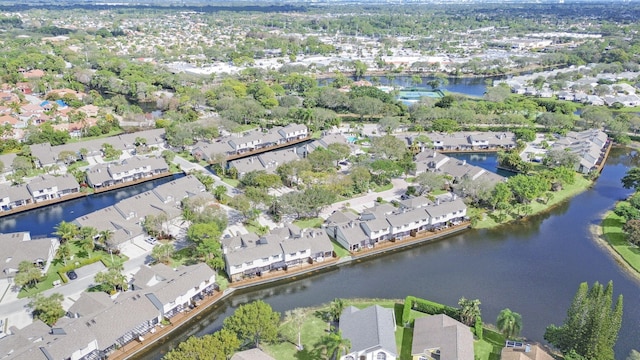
(464, 162)
(454, 196)
(437, 201)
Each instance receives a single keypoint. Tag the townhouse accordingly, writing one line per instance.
(41, 188)
(248, 255)
(371, 332)
(97, 325)
(441, 337)
(385, 222)
(469, 141)
(433, 161)
(131, 169)
(249, 141)
(268, 161)
(19, 247)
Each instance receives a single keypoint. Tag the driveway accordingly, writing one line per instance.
(368, 200)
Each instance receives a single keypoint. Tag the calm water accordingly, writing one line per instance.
(43, 221)
(467, 86)
(533, 267)
(487, 161)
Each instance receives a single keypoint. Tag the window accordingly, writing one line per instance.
(381, 356)
(303, 252)
(276, 256)
(265, 259)
(292, 254)
(249, 262)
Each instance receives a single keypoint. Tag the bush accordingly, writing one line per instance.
(478, 329)
(427, 307)
(493, 337)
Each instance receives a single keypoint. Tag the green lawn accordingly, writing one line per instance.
(568, 191)
(243, 127)
(383, 187)
(309, 223)
(232, 182)
(612, 230)
(339, 250)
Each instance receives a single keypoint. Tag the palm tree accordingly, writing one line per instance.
(66, 231)
(87, 238)
(336, 308)
(333, 345)
(104, 237)
(64, 251)
(509, 323)
(469, 310)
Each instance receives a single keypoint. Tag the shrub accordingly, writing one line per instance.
(493, 337)
(77, 264)
(427, 307)
(478, 329)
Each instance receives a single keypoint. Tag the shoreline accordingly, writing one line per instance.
(598, 237)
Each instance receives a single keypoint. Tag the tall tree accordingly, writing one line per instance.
(509, 323)
(253, 323)
(162, 253)
(592, 325)
(66, 231)
(112, 279)
(632, 179)
(28, 274)
(217, 346)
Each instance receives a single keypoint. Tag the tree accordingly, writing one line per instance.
(219, 192)
(66, 231)
(632, 230)
(500, 195)
(113, 279)
(469, 310)
(242, 203)
(592, 325)
(48, 309)
(388, 147)
(509, 323)
(296, 317)
(64, 251)
(87, 235)
(199, 232)
(28, 274)
(388, 124)
(561, 158)
(429, 181)
(253, 323)
(104, 238)
(339, 151)
(631, 180)
(162, 253)
(336, 308)
(333, 346)
(217, 346)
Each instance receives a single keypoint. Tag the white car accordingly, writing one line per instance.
(151, 240)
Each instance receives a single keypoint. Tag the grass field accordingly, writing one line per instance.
(612, 231)
(581, 184)
(309, 223)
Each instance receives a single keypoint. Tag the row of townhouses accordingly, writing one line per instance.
(19, 247)
(40, 188)
(47, 155)
(467, 141)
(131, 169)
(97, 324)
(589, 145)
(125, 219)
(249, 254)
(250, 141)
(385, 222)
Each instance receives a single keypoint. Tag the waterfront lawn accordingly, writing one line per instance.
(339, 250)
(309, 223)
(567, 192)
(612, 231)
(232, 182)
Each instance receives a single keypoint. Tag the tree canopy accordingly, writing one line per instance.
(253, 323)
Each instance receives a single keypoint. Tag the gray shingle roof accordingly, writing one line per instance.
(369, 329)
(440, 332)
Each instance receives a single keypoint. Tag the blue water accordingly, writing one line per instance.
(42, 222)
(487, 161)
(351, 139)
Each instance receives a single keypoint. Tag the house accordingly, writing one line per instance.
(19, 247)
(251, 354)
(514, 350)
(371, 332)
(131, 169)
(268, 161)
(441, 337)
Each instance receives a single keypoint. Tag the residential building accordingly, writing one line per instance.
(441, 337)
(371, 332)
(48, 187)
(249, 254)
(19, 247)
(470, 141)
(131, 169)
(589, 146)
(268, 161)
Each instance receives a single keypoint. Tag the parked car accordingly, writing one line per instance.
(71, 274)
(151, 240)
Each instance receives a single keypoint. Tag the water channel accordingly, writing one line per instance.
(533, 267)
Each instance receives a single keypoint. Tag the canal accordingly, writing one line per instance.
(533, 267)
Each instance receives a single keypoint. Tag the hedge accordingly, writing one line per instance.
(428, 307)
(478, 329)
(62, 272)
